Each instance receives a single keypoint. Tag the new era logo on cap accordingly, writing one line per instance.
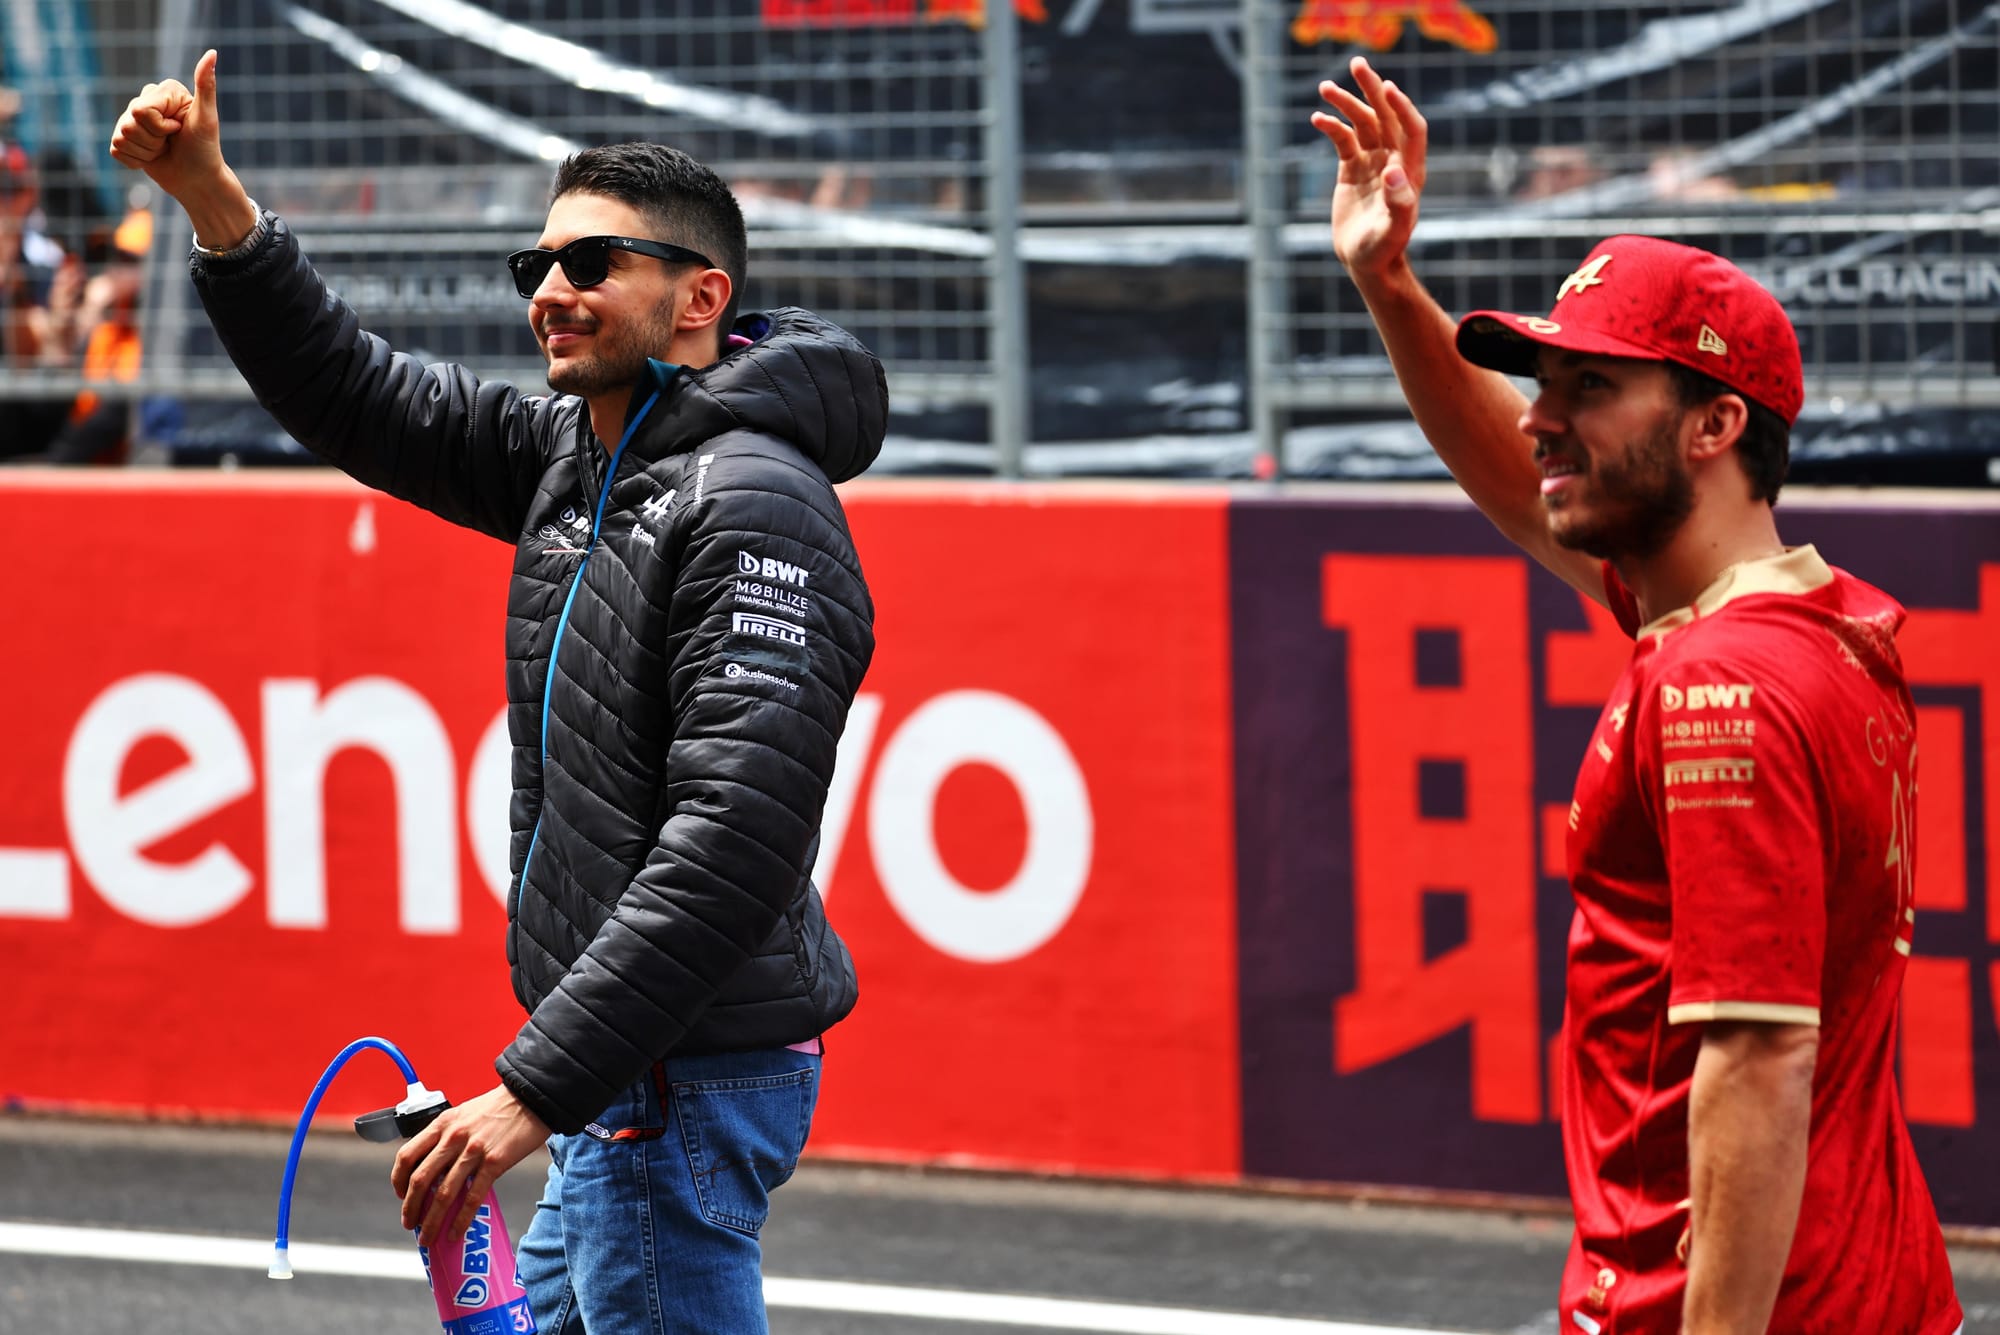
(1639, 296)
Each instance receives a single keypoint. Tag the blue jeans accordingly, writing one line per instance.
(649, 1222)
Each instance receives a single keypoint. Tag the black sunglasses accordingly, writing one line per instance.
(587, 260)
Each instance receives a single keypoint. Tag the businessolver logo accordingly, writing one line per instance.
(1378, 24)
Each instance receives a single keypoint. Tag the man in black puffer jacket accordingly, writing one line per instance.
(687, 627)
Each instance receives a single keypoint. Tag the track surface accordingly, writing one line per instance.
(894, 1243)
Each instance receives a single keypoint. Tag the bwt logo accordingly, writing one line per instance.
(777, 572)
(1736, 695)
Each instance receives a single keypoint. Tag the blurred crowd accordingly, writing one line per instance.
(70, 281)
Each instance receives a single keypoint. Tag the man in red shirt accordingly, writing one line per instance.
(1741, 840)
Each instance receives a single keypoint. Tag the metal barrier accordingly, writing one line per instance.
(1841, 152)
(410, 144)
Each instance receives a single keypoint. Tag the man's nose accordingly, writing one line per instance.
(1543, 416)
(555, 289)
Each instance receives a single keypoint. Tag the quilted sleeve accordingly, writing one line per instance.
(435, 436)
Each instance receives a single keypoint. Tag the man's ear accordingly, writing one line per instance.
(709, 300)
(1718, 425)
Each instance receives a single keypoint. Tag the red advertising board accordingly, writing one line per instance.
(1173, 833)
(233, 808)
(254, 807)
(1071, 649)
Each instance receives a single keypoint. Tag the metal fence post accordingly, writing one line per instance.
(1264, 215)
(166, 308)
(1006, 275)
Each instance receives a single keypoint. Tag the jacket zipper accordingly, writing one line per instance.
(562, 623)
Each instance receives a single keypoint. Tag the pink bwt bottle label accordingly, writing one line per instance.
(473, 1279)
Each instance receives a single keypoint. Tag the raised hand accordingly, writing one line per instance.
(171, 134)
(175, 137)
(1382, 143)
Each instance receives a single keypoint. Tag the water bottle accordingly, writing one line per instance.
(472, 1278)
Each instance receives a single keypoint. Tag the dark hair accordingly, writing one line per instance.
(1764, 448)
(682, 201)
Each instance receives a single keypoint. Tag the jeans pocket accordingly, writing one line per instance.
(743, 1139)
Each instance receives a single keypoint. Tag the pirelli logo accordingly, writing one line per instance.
(1715, 769)
(769, 628)
(1710, 695)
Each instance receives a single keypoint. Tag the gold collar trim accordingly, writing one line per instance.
(1796, 571)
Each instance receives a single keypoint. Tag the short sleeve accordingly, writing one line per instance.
(1741, 805)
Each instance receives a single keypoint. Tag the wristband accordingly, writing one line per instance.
(243, 247)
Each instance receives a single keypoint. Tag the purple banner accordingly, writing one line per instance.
(1412, 697)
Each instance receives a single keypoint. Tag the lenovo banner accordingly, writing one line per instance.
(1034, 872)
(253, 805)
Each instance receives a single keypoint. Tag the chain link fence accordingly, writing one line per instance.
(1842, 152)
(410, 144)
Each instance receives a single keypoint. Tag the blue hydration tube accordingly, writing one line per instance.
(281, 1261)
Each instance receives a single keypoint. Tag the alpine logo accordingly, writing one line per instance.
(558, 541)
(656, 509)
(1733, 695)
(769, 628)
(775, 571)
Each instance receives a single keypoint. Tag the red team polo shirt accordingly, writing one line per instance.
(1740, 848)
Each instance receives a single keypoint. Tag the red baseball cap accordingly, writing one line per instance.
(1639, 296)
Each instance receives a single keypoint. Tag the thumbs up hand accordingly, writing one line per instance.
(175, 136)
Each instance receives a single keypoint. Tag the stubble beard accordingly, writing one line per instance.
(1637, 502)
(618, 359)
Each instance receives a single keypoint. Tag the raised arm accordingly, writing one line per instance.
(1470, 415)
(431, 435)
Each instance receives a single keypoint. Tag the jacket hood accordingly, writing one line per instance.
(801, 378)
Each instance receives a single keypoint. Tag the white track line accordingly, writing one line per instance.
(992, 1309)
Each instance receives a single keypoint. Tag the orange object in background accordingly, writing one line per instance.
(1378, 24)
(111, 354)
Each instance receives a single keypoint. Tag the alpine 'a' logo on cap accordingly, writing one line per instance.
(1710, 341)
(1585, 278)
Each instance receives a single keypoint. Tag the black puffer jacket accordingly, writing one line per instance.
(709, 626)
